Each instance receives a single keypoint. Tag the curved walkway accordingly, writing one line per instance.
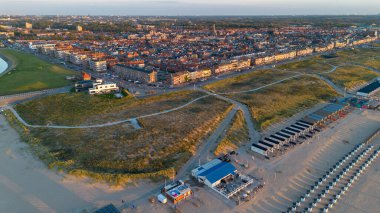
(134, 119)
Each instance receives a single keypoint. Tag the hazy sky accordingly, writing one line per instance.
(189, 7)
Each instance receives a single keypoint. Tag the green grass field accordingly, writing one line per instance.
(285, 99)
(351, 76)
(31, 74)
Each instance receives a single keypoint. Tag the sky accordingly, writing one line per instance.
(189, 7)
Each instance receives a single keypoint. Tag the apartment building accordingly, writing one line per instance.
(136, 73)
(97, 66)
(179, 78)
(324, 48)
(233, 65)
(78, 59)
(285, 56)
(305, 52)
(263, 60)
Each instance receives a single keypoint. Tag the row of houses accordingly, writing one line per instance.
(186, 76)
(225, 67)
(233, 65)
(308, 51)
(291, 133)
(91, 60)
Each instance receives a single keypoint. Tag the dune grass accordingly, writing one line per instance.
(118, 153)
(312, 65)
(82, 109)
(236, 135)
(248, 81)
(351, 76)
(285, 99)
(30, 74)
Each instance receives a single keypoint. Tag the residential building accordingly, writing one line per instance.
(103, 88)
(28, 26)
(305, 52)
(179, 78)
(136, 73)
(285, 56)
(98, 66)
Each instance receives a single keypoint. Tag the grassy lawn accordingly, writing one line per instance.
(81, 108)
(313, 65)
(351, 76)
(236, 135)
(118, 153)
(247, 81)
(31, 74)
(285, 99)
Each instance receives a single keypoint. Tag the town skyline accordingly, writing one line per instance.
(189, 8)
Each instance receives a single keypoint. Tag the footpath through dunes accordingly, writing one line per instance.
(118, 153)
(290, 177)
(30, 73)
(284, 99)
(79, 109)
(351, 76)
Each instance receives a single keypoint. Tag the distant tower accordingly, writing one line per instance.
(376, 34)
(214, 29)
(28, 26)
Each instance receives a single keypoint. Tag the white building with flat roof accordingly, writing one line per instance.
(103, 88)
